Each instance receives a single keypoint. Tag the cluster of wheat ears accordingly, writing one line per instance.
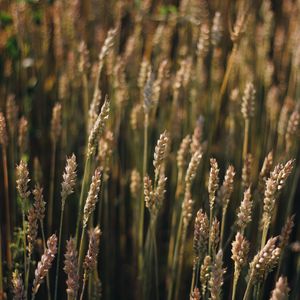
(149, 149)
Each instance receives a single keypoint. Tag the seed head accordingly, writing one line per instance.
(11, 114)
(135, 183)
(32, 229)
(205, 273)
(108, 44)
(187, 208)
(265, 171)
(39, 203)
(214, 234)
(90, 260)
(92, 197)
(246, 172)
(18, 286)
(203, 42)
(286, 232)
(265, 260)
(192, 168)
(45, 263)
(245, 211)
(22, 175)
(195, 295)
(197, 135)
(248, 101)
(213, 182)
(23, 135)
(217, 30)
(71, 269)
(281, 291)
(240, 249)
(227, 186)
(98, 127)
(201, 234)
(56, 123)
(160, 152)
(3, 131)
(216, 277)
(69, 177)
(292, 129)
(183, 152)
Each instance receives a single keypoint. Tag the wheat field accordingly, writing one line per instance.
(149, 149)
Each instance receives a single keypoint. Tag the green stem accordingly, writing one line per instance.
(246, 138)
(175, 259)
(83, 287)
(7, 210)
(1, 274)
(44, 244)
(142, 205)
(51, 188)
(180, 261)
(81, 250)
(84, 190)
(222, 226)
(24, 237)
(59, 247)
(235, 281)
(248, 289)
(264, 235)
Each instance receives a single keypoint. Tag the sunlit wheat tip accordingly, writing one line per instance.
(281, 290)
(248, 101)
(265, 260)
(227, 186)
(3, 131)
(160, 151)
(98, 127)
(286, 232)
(17, 286)
(71, 268)
(216, 277)
(201, 233)
(90, 260)
(92, 197)
(239, 250)
(213, 181)
(135, 183)
(56, 125)
(22, 176)
(217, 29)
(69, 177)
(32, 229)
(23, 135)
(45, 263)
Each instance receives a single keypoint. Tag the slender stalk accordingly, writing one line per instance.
(81, 250)
(83, 286)
(180, 262)
(44, 245)
(248, 289)
(246, 138)
(222, 226)
(7, 210)
(142, 205)
(173, 224)
(27, 275)
(51, 188)
(175, 259)
(24, 237)
(84, 190)
(59, 246)
(264, 235)
(234, 285)
(1, 274)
